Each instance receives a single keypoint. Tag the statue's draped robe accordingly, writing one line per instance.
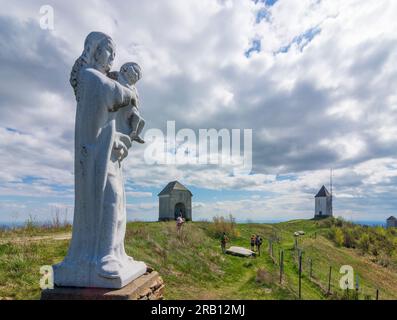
(94, 234)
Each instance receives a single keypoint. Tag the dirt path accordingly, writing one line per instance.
(54, 237)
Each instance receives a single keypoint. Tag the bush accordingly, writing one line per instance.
(349, 237)
(221, 225)
(363, 243)
(338, 236)
(326, 223)
(377, 241)
(384, 260)
(339, 222)
(264, 277)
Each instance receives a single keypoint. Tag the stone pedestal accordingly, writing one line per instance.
(147, 287)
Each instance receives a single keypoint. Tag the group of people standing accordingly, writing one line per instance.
(256, 242)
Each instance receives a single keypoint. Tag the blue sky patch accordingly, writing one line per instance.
(301, 41)
(256, 47)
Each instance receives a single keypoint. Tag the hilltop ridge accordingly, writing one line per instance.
(193, 266)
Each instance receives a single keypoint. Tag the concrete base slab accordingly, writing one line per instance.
(240, 251)
(147, 287)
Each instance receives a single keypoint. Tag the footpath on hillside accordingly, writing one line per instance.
(22, 239)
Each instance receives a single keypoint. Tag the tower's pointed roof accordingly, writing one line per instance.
(173, 185)
(323, 193)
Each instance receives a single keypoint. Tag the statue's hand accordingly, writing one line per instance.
(122, 143)
(120, 151)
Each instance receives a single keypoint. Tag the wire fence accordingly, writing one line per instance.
(314, 272)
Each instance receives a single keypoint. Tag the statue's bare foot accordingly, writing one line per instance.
(109, 267)
(139, 139)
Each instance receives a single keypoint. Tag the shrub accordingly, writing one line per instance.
(221, 225)
(264, 277)
(338, 236)
(339, 222)
(326, 223)
(384, 260)
(363, 243)
(30, 222)
(349, 237)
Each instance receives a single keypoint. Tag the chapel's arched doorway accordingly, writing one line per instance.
(180, 209)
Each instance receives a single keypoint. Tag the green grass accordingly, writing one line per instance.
(193, 266)
(32, 230)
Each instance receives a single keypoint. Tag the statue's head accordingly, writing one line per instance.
(99, 50)
(131, 72)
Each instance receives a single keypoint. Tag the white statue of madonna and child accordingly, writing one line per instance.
(107, 122)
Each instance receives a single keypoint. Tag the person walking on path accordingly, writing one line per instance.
(253, 241)
(179, 223)
(224, 240)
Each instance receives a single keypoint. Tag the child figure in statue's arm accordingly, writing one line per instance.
(129, 75)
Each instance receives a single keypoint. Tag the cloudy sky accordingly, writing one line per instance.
(315, 80)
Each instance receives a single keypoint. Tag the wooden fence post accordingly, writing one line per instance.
(281, 265)
(329, 280)
(311, 268)
(377, 294)
(300, 274)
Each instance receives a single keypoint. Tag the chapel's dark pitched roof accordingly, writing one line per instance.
(392, 218)
(174, 185)
(323, 193)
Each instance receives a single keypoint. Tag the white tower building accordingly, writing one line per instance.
(323, 203)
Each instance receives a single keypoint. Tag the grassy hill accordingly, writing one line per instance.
(193, 266)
